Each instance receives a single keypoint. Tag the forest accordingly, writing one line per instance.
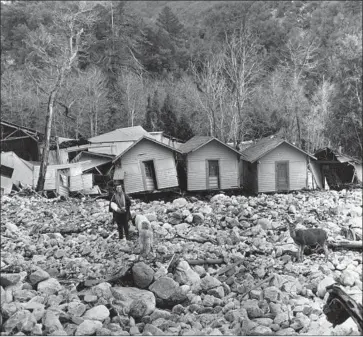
(236, 70)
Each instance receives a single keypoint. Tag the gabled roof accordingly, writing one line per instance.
(342, 158)
(132, 133)
(264, 146)
(197, 142)
(141, 139)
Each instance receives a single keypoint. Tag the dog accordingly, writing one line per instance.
(146, 235)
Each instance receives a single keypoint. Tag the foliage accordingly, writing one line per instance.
(237, 70)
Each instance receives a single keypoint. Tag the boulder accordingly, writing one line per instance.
(102, 290)
(152, 330)
(272, 294)
(11, 279)
(22, 320)
(88, 328)
(198, 218)
(51, 321)
(185, 275)
(138, 308)
(38, 276)
(126, 295)
(49, 286)
(252, 308)
(99, 313)
(167, 292)
(76, 308)
(349, 277)
(142, 274)
(180, 202)
(327, 281)
(209, 282)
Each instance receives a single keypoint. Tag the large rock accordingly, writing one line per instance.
(152, 330)
(99, 313)
(49, 286)
(138, 308)
(180, 202)
(272, 294)
(198, 218)
(102, 290)
(88, 328)
(209, 282)
(76, 308)
(11, 279)
(252, 308)
(22, 320)
(51, 321)
(38, 276)
(349, 277)
(126, 295)
(167, 292)
(327, 281)
(142, 274)
(185, 275)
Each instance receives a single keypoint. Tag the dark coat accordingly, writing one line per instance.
(121, 217)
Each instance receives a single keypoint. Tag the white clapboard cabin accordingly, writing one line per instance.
(274, 165)
(146, 166)
(210, 164)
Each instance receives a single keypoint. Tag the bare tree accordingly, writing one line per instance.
(243, 66)
(53, 54)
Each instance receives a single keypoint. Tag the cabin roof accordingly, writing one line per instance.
(341, 158)
(141, 139)
(132, 133)
(264, 146)
(197, 142)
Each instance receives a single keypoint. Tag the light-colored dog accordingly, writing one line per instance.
(146, 235)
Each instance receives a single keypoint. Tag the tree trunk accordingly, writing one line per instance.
(48, 129)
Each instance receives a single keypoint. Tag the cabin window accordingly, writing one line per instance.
(6, 171)
(150, 177)
(213, 174)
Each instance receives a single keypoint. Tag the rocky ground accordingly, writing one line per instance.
(49, 246)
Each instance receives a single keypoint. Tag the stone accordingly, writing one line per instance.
(38, 276)
(160, 314)
(11, 279)
(349, 277)
(292, 209)
(256, 294)
(37, 330)
(138, 308)
(153, 330)
(264, 223)
(21, 295)
(22, 320)
(167, 292)
(272, 294)
(49, 286)
(99, 312)
(76, 308)
(180, 202)
(127, 294)
(252, 308)
(198, 218)
(263, 321)
(217, 292)
(142, 274)
(209, 282)
(200, 270)
(88, 298)
(261, 330)
(51, 321)
(102, 290)
(321, 290)
(281, 317)
(185, 275)
(88, 328)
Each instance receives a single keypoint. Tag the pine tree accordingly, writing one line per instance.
(184, 130)
(170, 22)
(148, 116)
(168, 118)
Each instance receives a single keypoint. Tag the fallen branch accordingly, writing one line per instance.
(206, 261)
(258, 284)
(112, 234)
(223, 270)
(346, 244)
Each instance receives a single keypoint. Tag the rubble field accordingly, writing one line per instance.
(236, 272)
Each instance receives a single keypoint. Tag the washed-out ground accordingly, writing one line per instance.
(49, 246)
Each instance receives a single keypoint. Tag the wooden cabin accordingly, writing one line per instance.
(146, 166)
(210, 164)
(273, 165)
(14, 171)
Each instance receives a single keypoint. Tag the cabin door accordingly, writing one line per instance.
(282, 176)
(150, 178)
(213, 174)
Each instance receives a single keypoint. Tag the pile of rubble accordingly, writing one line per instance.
(235, 274)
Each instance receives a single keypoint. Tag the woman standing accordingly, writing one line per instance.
(120, 207)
